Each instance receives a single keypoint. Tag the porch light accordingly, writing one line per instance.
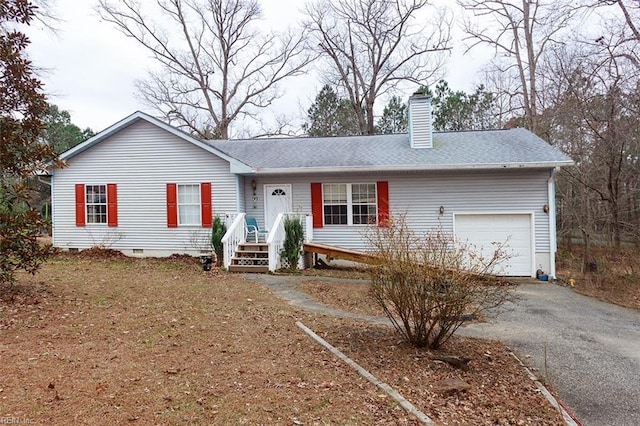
(441, 209)
(545, 208)
(254, 186)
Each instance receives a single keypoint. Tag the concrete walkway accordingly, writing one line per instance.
(285, 287)
(587, 350)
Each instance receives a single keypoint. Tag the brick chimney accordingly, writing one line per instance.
(420, 121)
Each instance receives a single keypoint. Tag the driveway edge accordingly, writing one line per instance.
(568, 420)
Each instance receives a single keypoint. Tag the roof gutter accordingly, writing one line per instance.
(377, 169)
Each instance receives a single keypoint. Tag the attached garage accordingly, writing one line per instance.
(484, 230)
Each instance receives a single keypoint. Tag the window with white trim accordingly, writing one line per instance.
(350, 203)
(189, 204)
(364, 207)
(96, 203)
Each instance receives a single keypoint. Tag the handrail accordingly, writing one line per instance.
(234, 236)
(275, 242)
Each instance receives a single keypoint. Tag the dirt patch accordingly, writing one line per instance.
(335, 271)
(152, 341)
(488, 395)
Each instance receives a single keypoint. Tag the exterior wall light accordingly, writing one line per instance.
(254, 186)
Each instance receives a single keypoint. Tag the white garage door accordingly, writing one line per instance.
(482, 230)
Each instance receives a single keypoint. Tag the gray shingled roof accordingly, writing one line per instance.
(484, 149)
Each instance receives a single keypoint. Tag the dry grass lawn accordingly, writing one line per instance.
(114, 340)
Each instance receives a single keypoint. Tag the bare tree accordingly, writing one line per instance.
(628, 12)
(371, 46)
(520, 31)
(213, 64)
(595, 120)
(621, 34)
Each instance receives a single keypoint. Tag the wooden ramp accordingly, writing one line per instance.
(333, 252)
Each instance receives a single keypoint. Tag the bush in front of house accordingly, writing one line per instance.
(217, 232)
(293, 240)
(427, 284)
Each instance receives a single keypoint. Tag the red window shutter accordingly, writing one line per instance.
(112, 204)
(316, 205)
(206, 209)
(383, 203)
(81, 216)
(172, 205)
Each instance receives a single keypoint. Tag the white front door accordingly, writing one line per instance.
(277, 199)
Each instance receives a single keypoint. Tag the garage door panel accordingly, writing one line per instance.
(486, 231)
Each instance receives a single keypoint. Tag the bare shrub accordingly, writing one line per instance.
(426, 284)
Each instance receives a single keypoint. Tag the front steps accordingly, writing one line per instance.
(251, 258)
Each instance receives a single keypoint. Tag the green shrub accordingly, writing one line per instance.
(217, 232)
(294, 237)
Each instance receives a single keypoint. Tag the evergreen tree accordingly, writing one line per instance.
(331, 115)
(60, 132)
(394, 118)
(454, 111)
(22, 154)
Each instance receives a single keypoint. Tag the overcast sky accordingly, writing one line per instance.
(89, 68)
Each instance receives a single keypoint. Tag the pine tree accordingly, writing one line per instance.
(331, 115)
(394, 117)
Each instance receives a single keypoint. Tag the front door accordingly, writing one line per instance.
(277, 199)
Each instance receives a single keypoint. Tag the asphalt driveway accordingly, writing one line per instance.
(592, 349)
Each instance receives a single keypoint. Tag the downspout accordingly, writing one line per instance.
(553, 247)
(53, 208)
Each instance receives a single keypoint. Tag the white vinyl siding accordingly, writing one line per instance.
(420, 123)
(141, 159)
(420, 195)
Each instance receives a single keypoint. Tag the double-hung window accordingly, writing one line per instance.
(350, 204)
(189, 204)
(363, 204)
(335, 204)
(96, 203)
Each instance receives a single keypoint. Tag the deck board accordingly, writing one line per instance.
(333, 252)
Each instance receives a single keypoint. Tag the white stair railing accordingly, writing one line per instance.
(275, 241)
(308, 228)
(234, 236)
